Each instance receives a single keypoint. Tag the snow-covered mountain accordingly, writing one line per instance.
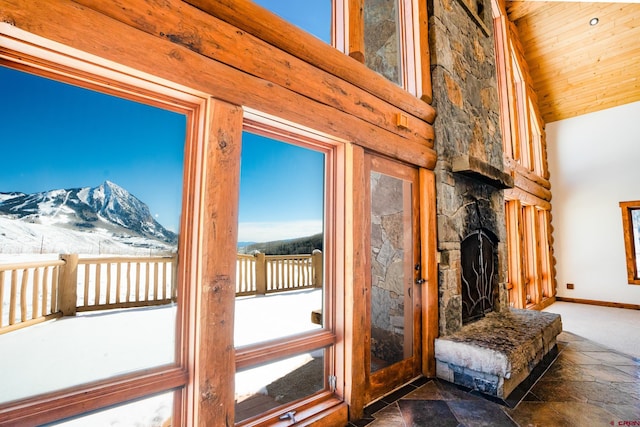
(107, 214)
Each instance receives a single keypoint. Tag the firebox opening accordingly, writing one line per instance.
(479, 274)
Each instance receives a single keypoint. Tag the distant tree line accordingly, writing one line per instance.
(302, 245)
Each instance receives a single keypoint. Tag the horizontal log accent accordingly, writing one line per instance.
(526, 198)
(531, 187)
(546, 302)
(92, 33)
(220, 41)
(513, 166)
(263, 24)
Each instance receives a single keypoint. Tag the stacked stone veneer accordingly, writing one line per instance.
(466, 98)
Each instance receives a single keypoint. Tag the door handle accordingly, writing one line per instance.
(420, 281)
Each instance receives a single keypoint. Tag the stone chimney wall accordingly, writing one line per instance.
(467, 132)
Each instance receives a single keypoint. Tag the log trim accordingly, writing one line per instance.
(255, 20)
(629, 241)
(355, 276)
(517, 169)
(92, 31)
(214, 364)
(526, 198)
(429, 291)
(220, 41)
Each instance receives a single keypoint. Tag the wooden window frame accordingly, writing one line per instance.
(530, 268)
(330, 337)
(537, 165)
(629, 244)
(513, 216)
(30, 53)
(527, 207)
(412, 19)
(545, 273)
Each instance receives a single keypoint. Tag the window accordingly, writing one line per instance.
(531, 282)
(313, 16)
(631, 229)
(530, 271)
(100, 283)
(284, 328)
(389, 40)
(384, 39)
(153, 411)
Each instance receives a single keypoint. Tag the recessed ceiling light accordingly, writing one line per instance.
(593, 21)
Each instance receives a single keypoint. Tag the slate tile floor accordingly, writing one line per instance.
(587, 385)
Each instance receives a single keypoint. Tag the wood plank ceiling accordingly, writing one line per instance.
(577, 68)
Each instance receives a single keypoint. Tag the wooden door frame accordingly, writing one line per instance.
(386, 379)
(356, 251)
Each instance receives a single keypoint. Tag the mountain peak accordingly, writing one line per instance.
(111, 184)
(107, 206)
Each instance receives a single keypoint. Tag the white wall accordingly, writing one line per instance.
(594, 162)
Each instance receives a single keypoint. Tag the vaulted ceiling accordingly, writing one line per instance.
(577, 68)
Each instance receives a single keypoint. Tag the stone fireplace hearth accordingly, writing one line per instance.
(496, 354)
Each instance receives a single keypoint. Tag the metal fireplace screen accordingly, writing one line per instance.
(477, 275)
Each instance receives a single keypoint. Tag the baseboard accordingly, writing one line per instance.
(601, 303)
(543, 304)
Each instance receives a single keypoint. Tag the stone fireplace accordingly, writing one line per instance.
(471, 230)
(483, 345)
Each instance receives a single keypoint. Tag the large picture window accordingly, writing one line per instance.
(284, 312)
(97, 217)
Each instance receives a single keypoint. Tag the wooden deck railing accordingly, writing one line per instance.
(32, 289)
(261, 274)
(32, 292)
(108, 283)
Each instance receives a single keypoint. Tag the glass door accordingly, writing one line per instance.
(393, 276)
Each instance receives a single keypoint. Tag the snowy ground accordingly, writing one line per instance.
(97, 345)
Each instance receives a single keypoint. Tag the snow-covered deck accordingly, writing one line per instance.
(96, 345)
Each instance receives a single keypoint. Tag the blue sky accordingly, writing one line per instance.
(314, 16)
(54, 135)
(281, 190)
(281, 186)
